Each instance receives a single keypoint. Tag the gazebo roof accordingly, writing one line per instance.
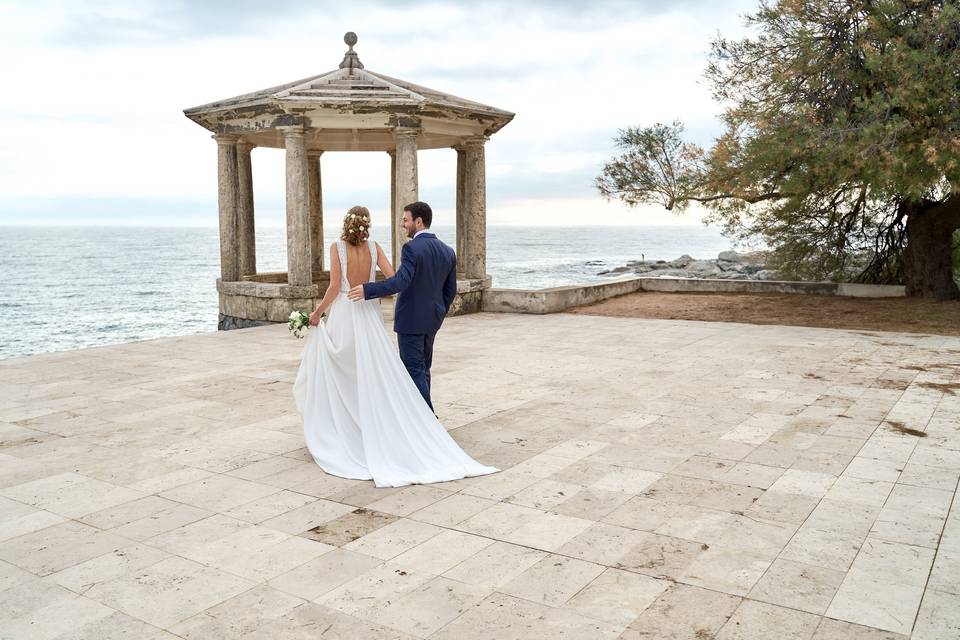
(350, 109)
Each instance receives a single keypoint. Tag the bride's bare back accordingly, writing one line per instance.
(357, 272)
(358, 263)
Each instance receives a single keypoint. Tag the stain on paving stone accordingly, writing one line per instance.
(900, 427)
(349, 527)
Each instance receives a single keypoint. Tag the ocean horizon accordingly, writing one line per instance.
(72, 286)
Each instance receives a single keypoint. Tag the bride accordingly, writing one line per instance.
(363, 416)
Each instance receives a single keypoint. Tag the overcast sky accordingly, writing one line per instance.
(93, 95)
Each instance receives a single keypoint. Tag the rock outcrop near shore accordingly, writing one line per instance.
(729, 265)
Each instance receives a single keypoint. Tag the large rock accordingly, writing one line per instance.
(730, 256)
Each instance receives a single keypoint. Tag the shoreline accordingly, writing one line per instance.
(728, 265)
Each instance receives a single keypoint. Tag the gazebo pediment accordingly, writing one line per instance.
(350, 109)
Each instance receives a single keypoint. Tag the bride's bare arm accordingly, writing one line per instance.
(333, 289)
(384, 263)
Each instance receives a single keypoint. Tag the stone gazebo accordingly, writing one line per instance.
(349, 109)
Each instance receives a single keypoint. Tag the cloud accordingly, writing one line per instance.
(93, 113)
(104, 23)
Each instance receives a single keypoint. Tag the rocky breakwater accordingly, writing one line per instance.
(729, 265)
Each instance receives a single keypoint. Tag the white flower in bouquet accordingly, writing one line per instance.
(298, 322)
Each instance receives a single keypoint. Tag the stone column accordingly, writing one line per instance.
(246, 229)
(406, 182)
(461, 166)
(227, 199)
(474, 257)
(298, 208)
(394, 220)
(316, 209)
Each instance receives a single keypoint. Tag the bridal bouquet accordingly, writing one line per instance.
(298, 322)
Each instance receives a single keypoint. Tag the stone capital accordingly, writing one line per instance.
(226, 138)
(406, 132)
(314, 153)
(292, 132)
(472, 141)
(245, 147)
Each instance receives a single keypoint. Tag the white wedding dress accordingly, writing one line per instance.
(363, 417)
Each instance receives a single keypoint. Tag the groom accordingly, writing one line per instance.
(427, 284)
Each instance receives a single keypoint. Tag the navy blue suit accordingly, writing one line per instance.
(427, 284)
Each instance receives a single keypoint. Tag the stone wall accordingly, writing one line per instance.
(557, 298)
(470, 295)
(540, 301)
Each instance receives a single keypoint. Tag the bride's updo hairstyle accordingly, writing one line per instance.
(356, 226)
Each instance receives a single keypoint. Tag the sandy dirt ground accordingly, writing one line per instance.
(912, 315)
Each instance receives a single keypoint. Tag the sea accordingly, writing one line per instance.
(72, 287)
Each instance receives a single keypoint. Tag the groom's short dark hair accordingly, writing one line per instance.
(420, 210)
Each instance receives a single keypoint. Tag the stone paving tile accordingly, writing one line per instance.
(258, 553)
(661, 556)
(81, 577)
(218, 493)
(393, 539)
(495, 565)
(733, 571)
(199, 533)
(939, 616)
(298, 518)
(239, 615)
(839, 630)
(304, 623)
(603, 543)
(19, 519)
(324, 573)
(12, 576)
(168, 592)
(54, 618)
(49, 550)
(372, 591)
(452, 510)
(503, 616)
(760, 621)
(167, 519)
(881, 604)
(442, 552)
(708, 480)
(553, 580)
(797, 586)
(427, 608)
(616, 596)
(115, 626)
(683, 612)
(70, 495)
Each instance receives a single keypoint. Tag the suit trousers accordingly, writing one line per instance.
(416, 352)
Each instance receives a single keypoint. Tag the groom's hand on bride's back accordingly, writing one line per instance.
(356, 293)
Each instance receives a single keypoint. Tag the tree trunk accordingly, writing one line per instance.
(927, 258)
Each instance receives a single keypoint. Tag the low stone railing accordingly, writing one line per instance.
(540, 301)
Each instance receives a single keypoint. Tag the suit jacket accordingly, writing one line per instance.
(426, 282)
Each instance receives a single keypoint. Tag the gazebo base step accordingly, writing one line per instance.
(251, 304)
(226, 323)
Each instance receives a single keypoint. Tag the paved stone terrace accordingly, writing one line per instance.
(662, 479)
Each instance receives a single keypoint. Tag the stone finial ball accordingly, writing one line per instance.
(350, 38)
